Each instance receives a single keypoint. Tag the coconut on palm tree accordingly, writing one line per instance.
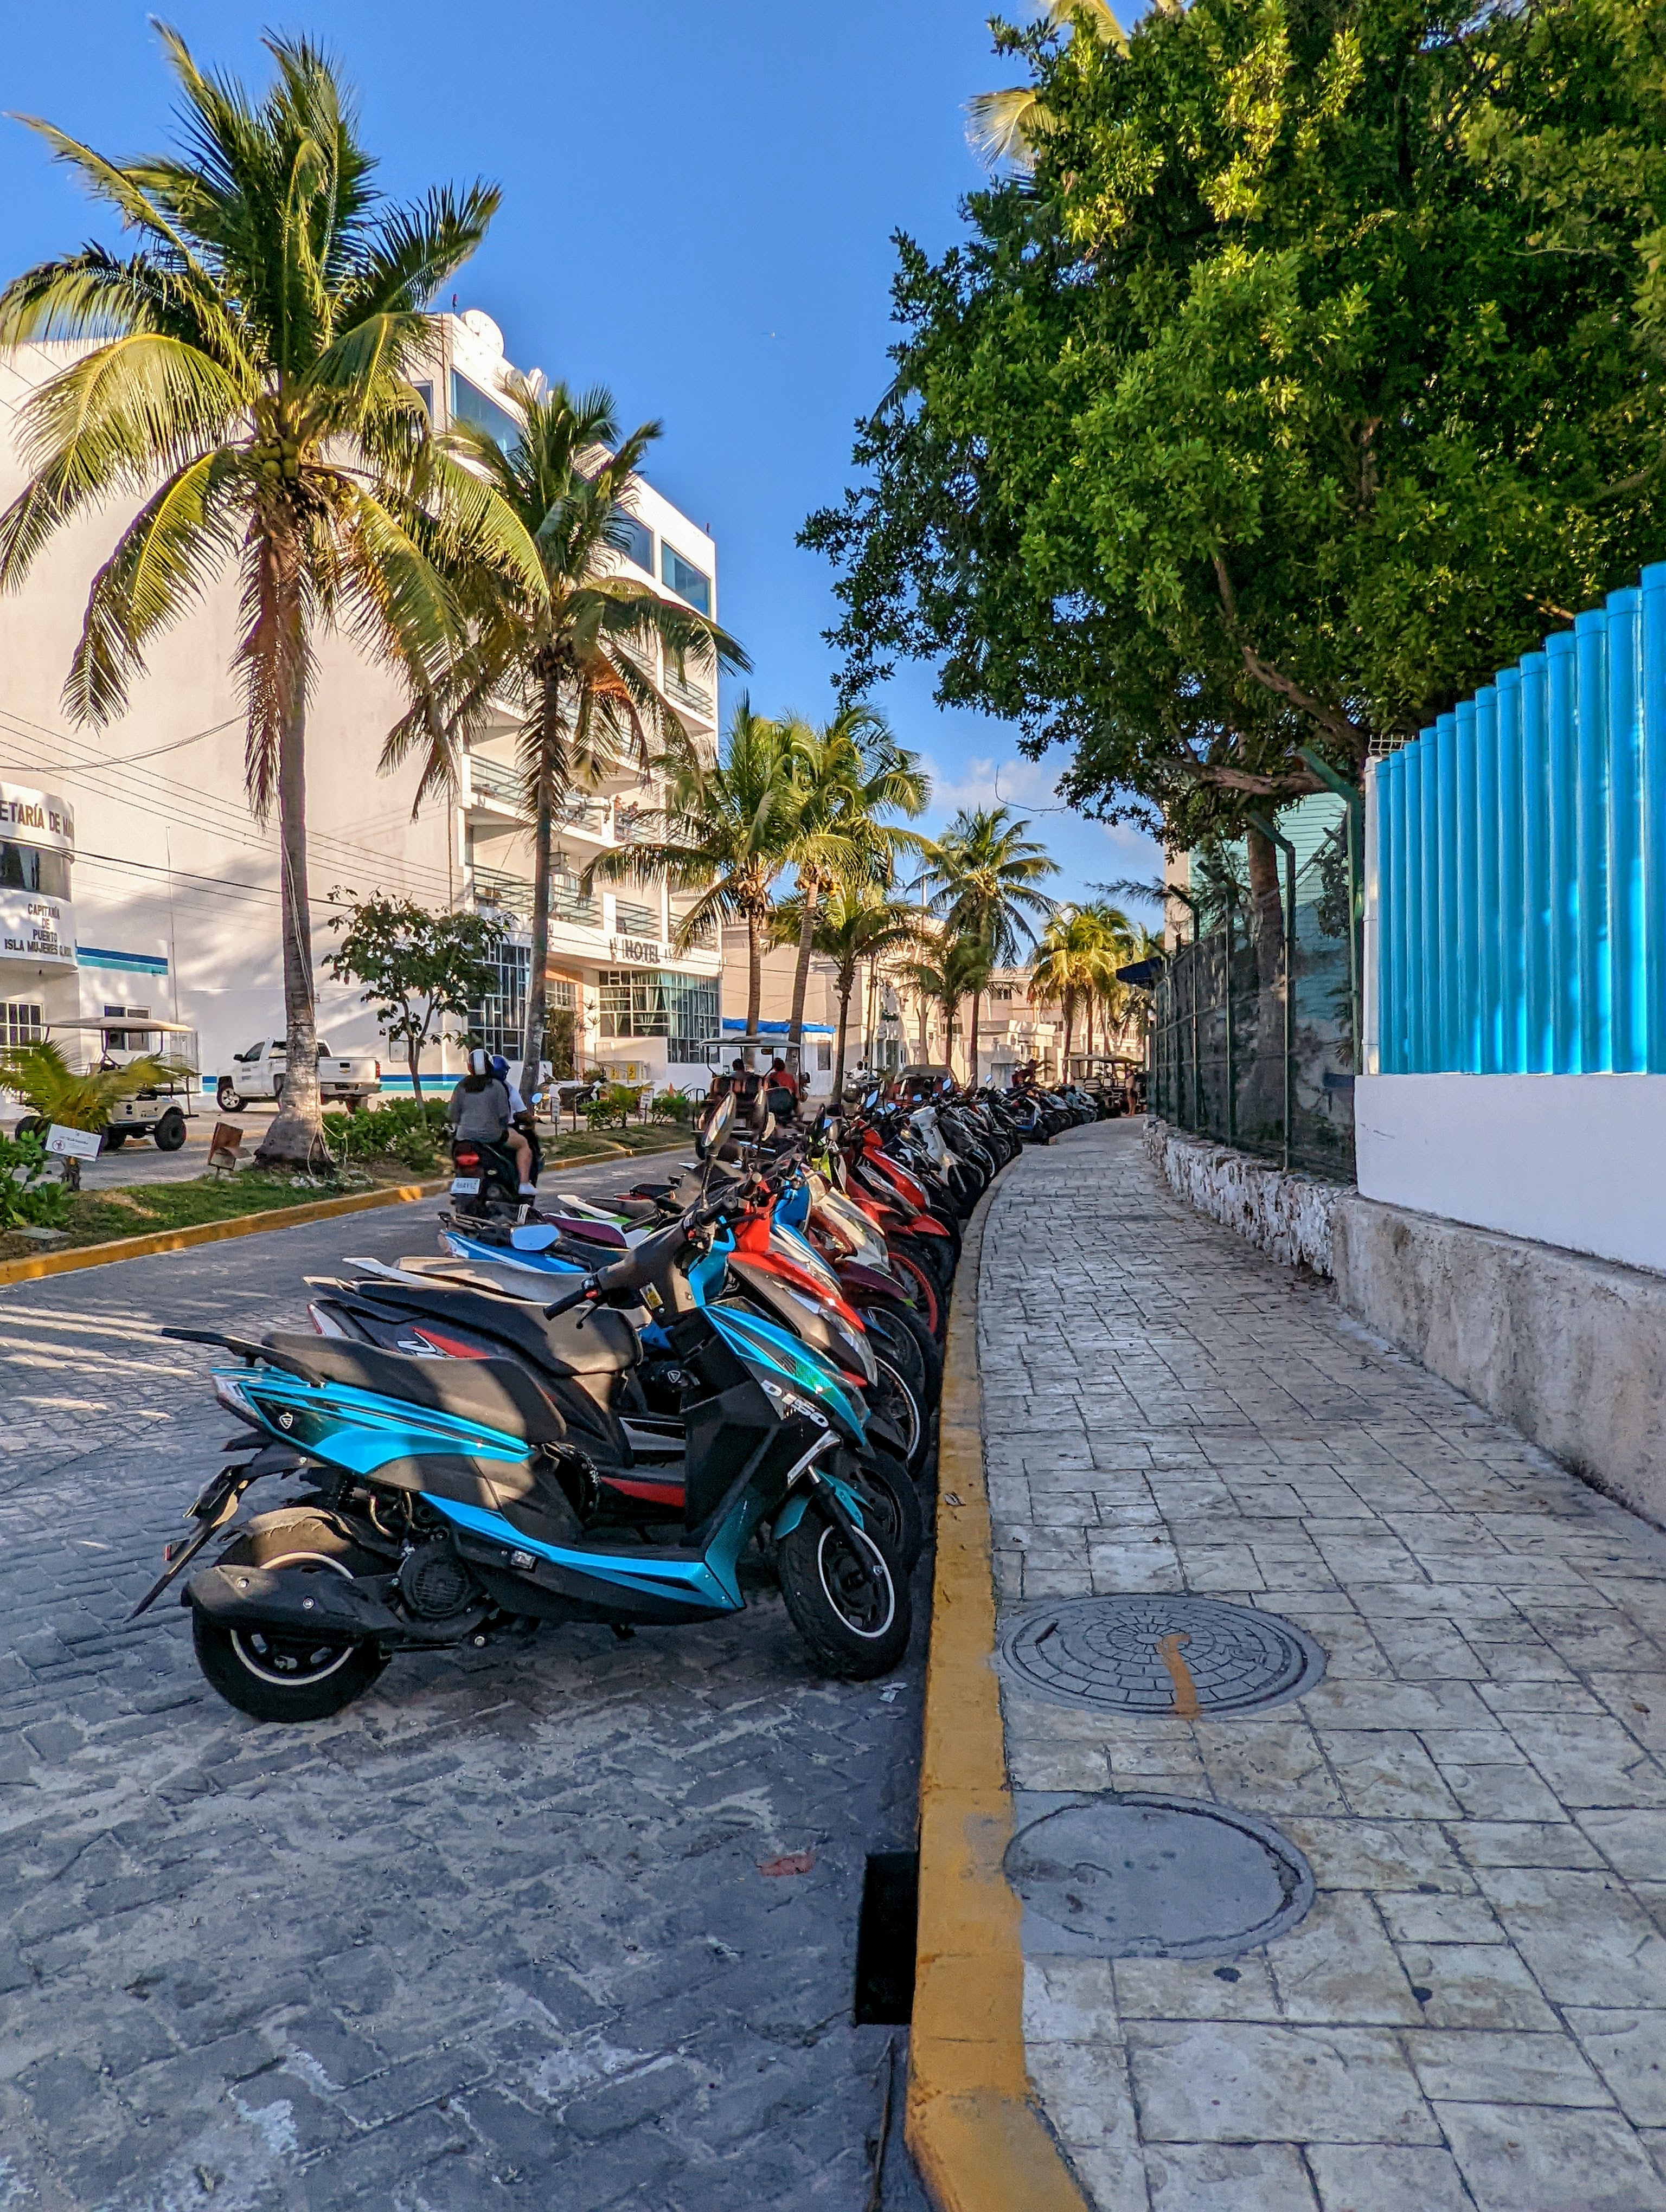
(856, 923)
(724, 830)
(573, 659)
(249, 381)
(981, 876)
(848, 776)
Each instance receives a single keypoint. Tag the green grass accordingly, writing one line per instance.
(101, 1217)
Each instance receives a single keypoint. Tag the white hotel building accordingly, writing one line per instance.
(133, 879)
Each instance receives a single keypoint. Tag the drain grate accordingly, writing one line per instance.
(1195, 1656)
(886, 1939)
(1140, 1876)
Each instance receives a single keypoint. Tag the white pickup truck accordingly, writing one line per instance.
(258, 1073)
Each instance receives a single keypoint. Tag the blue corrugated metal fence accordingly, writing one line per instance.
(1521, 851)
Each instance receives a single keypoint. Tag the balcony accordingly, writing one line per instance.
(633, 921)
(695, 696)
(494, 781)
(498, 892)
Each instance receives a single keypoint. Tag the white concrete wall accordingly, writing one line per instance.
(1577, 1161)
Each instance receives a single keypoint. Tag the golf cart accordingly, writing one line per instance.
(161, 1112)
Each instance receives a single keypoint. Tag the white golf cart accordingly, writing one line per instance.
(161, 1113)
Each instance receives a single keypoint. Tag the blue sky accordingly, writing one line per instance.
(699, 204)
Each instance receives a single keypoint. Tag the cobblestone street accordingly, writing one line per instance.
(498, 1936)
(1472, 2011)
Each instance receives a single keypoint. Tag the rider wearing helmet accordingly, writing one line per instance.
(483, 1107)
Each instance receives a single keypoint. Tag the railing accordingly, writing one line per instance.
(696, 697)
(633, 921)
(590, 815)
(492, 780)
(1239, 1056)
(498, 892)
(1520, 880)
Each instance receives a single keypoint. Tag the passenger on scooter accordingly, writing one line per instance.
(481, 1106)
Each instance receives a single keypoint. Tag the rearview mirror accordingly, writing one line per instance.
(716, 1126)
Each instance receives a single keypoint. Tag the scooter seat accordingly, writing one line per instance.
(499, 1394)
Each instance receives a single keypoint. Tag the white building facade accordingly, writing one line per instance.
(172, 911)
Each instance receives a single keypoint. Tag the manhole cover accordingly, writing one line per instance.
(1154, 1654)
(1135, 1876)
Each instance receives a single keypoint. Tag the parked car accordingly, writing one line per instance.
(258, 1073)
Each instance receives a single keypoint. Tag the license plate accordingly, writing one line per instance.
(465, 1186)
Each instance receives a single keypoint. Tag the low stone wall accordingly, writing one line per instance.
(1569, 1351)
(1288, 1216)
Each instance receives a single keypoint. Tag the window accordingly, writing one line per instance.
(26, 868)
(19, 1024)
(635, 1002)
(497, 1022)
(824, 1059)
(469, 404)
(425, 393)
(562, 992)
(685, 578)
(635, 540)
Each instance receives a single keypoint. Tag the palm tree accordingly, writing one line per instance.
(958, 968)
(574, 658)
(1077, 959)
(854, 923)
(1110, 995)
(1010, 124)
(982, 875)
(848, 774)
(251, 385)
(724, 830)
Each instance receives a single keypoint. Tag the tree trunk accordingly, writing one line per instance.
(296, 1138)
(532, 1046)
(846, 986)
(414, 1060)
(925, 1030)
(978, 1017)
(1069, 1025)
(1261, 1110)
(754, 970)
(807, 888)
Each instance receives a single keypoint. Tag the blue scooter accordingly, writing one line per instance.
(449, 1502)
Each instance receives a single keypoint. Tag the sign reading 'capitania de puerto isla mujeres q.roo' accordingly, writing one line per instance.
(37, 838)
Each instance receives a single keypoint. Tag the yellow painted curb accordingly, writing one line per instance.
(209, 1232)
(977, 2138)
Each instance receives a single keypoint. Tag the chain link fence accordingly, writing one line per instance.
(1226, 1061)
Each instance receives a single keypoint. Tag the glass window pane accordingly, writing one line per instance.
(685, 578)
(635, 540)
(469, 404)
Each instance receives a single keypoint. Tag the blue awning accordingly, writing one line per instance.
(736, 1024)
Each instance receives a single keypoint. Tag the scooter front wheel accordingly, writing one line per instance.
(851, 1607)
(892, 1507)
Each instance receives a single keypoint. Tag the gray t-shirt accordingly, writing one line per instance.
(482, 1115)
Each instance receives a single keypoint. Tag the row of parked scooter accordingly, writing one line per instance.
(627, 1415)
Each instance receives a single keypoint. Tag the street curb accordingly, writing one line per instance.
(207, 1232)
(977, 2139)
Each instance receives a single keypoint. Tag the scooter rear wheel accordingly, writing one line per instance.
(288, 1677)
(855, 1623)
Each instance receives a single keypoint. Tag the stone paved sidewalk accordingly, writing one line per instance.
(1473, 2012)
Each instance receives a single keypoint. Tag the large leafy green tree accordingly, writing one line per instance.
(1315, 369)
(573, 653)
(416, 967)
(248, 383)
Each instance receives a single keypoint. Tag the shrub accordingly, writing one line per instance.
(672, 1106)
(398, 1129)
(612, 1108)
(32, 1196)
